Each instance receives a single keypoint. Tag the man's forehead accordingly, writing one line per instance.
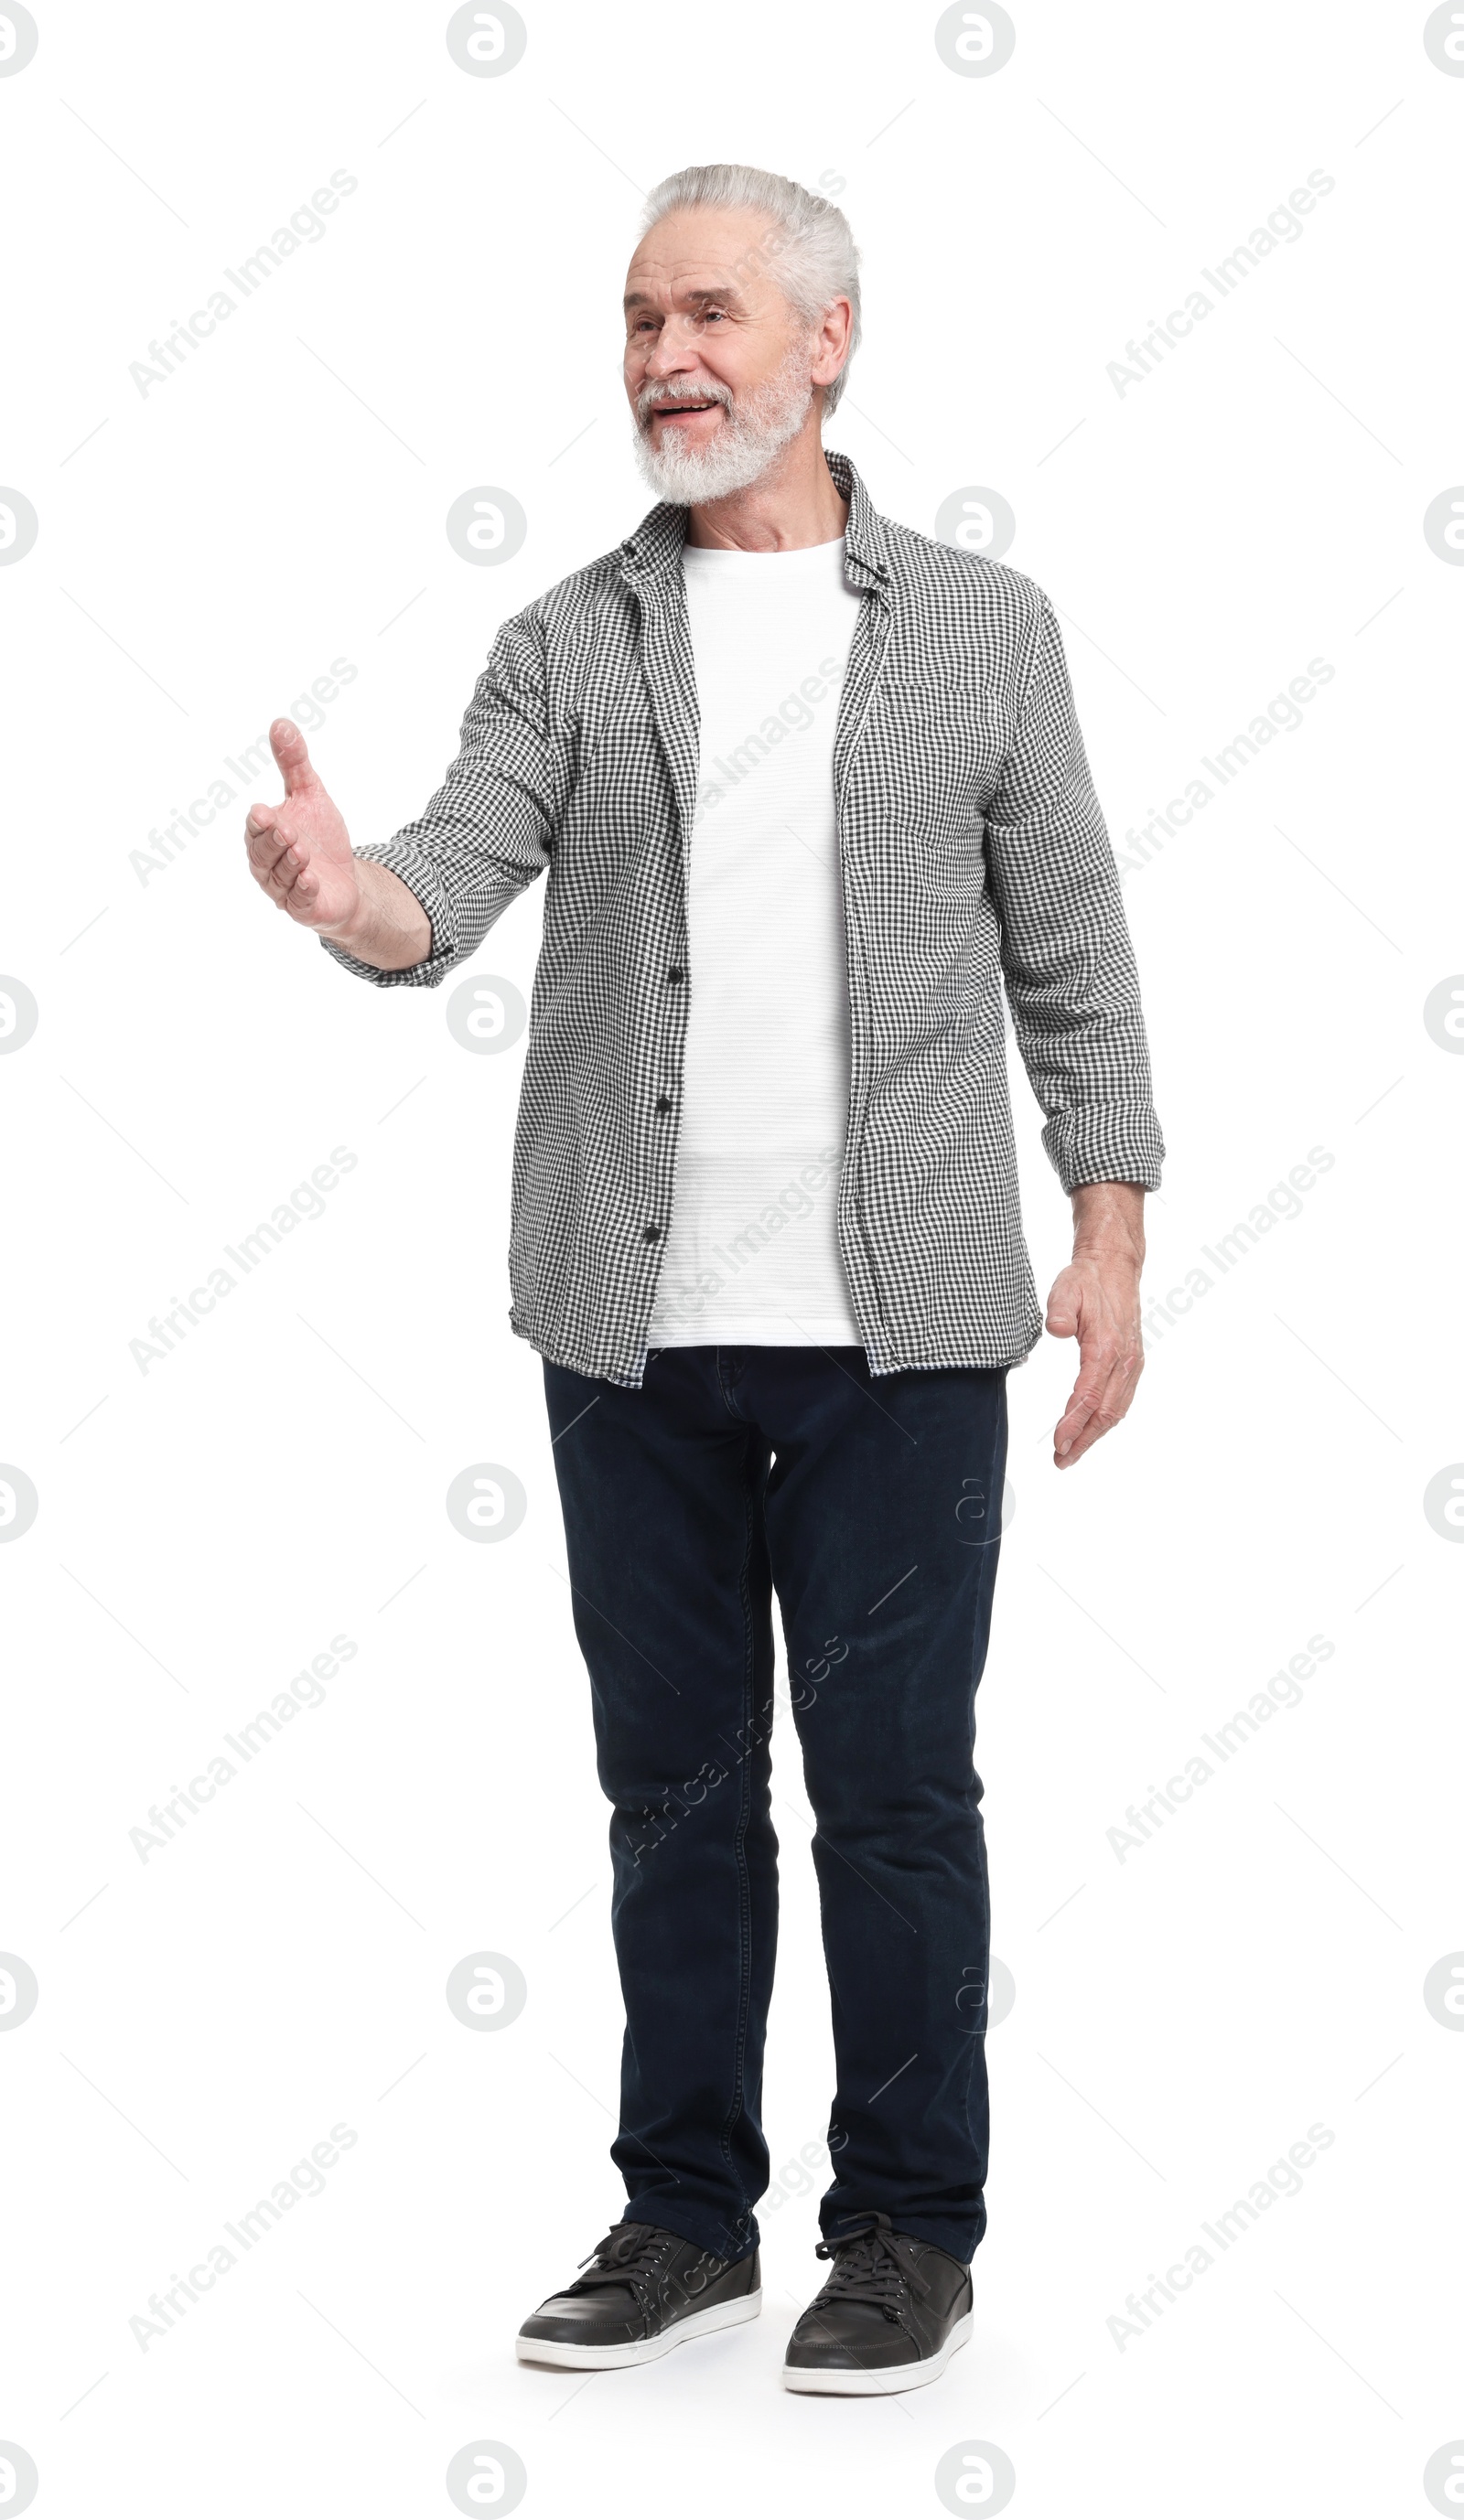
(679, 259)
(682, 278)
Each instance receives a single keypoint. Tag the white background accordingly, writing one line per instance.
(206, 550)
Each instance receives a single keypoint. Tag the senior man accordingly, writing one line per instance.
(808, 792)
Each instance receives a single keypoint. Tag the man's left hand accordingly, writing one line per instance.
(1096, 1301)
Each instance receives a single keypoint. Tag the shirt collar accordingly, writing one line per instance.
(654, 550)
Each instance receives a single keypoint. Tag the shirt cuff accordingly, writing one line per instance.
(1112, 1141)
(422, 877)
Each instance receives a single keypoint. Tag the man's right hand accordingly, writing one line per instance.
(299, 850)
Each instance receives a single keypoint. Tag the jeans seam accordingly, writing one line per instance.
(728, 1397)
(745, 1811)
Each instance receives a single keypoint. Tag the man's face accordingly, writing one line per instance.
(718, 367)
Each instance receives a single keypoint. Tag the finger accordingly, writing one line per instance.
(292, 754)
(1100, 1400)
(265, 857)
(1097, 1359)
(1061, 1314)
(279, 858)
(268, 852)
(1093, 1432)
(1081, 1444)
(1065, 1320)
(262, 844)
(291, 863)
(292, 890)
(1068, 1433)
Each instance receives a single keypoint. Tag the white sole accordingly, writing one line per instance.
(880, 2384)
(614, 2357)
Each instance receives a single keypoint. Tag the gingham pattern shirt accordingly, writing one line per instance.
(973, 856)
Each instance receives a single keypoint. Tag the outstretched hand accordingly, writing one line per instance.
(299, 850)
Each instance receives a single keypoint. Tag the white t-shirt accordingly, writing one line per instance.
(751, 1253)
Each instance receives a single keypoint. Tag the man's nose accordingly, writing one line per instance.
(671, 353)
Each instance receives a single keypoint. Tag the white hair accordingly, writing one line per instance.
(807, 250)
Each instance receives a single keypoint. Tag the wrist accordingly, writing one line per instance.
(1108, 1224)
(1112, 1254)
(350, 930)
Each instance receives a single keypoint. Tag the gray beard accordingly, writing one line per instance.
(750, 440)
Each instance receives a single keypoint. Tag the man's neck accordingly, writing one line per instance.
(794, 504)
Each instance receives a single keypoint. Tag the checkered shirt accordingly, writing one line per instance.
(974, 861)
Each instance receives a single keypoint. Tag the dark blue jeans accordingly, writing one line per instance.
(872, 1507)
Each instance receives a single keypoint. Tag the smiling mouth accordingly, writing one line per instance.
(680, 410)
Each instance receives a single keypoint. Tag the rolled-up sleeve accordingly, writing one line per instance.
(488, 831)
(1067, 957)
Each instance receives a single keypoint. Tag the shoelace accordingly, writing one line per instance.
(630, 2253)
(868, 2266)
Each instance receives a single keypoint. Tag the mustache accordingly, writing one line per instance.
(651, 398)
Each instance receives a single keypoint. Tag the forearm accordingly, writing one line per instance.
(388, 927)
(1108, 1222)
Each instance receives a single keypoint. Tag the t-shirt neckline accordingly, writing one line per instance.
(810, 556)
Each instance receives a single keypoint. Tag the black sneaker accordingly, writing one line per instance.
(646, 2291)
(891, 2315)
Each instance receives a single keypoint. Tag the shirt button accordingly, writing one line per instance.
(664, 1102)
(652, 1234)
(675, 976)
